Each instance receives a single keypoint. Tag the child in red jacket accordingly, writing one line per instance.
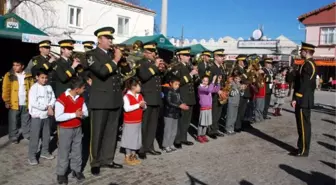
(259, 99)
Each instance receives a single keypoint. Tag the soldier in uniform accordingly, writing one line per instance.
(42, 61)
(105, 101)
(183, 71)
(150, 78)
(204, 65)
(244, 99)
(64, 68)
(218, 70)
(303, 98)
(88, 45)
(269, 76)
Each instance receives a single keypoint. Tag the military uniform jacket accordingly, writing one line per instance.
(63, 74)
(106, 88)
(187, 91)
(203, 69)
(305, 84)
(150, 78)
(217, 71)
(269, 76)
(39, 62)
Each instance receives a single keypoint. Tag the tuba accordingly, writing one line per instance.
(253, 74)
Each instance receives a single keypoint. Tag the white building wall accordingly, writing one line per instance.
(54, 19)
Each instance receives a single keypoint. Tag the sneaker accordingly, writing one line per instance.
(173, 148)
(129, 160)
(205, 138)
(47, 156)
(15, 141)
(167, 150)
(135, 159)
(33, 162)
(200, 139)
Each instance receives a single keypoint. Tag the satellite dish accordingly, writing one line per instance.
(257, 34)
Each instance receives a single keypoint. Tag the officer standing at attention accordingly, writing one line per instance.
(204, 65)
(88, 45)
(269, 76)
(105, 101)
(64, 68)
(303, 98)
(149, 75)
(187, 93)
(216, 70)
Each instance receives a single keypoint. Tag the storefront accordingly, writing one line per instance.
(12, 33)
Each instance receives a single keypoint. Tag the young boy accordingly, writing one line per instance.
(41, 103)
(233, 103)
(15, 88)
(173, 106)
(70, 109)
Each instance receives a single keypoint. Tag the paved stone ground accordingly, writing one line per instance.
(257, 157)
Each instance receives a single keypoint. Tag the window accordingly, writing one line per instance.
(123, 26)
(75, 16)
(328, 36)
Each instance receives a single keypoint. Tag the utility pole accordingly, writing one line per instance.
(164, 12)
(182, 37)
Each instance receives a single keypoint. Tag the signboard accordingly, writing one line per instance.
(31, 38)
(275, 57)
(257, 44)
(12, 23)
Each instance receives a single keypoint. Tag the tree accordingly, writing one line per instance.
(157, 29)
(44, 5)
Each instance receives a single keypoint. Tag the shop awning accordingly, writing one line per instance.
(14, 27)
(162, 41)
(318, 62)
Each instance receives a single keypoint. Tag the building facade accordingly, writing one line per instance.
(320, 27)
(280, 49)
(78, 19)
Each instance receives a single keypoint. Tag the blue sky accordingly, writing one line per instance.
(236, 18)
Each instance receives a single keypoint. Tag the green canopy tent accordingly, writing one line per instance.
(17, 35)
(197, 48)
(162, 41)
(13, 27)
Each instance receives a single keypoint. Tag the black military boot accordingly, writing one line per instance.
(62, 179)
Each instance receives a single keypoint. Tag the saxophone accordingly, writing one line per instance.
(226, 88)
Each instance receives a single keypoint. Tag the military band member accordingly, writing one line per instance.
(269, 77)
(149, 75)
(88, 45)
(44, 61)
(244, 98)
(123, 65)
(64, 68)
(204, 65)
(216, 70)
(187, 93)
(105, 101)
(303, 98)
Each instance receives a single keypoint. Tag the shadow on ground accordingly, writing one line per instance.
(244, 182)
(330, 136)
(315, 178)
(329, 121)
(326, 145)
(260, 134)
(331, 165)
(194, 181)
